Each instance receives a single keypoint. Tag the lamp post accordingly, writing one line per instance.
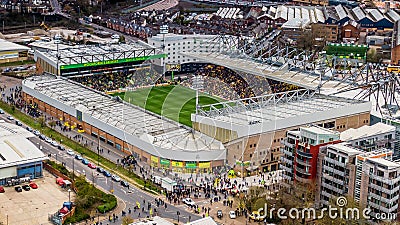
(163, 31)
(69, 195)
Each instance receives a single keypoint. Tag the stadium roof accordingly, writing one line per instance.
(10, 46)
(278, 111)
(78, 55)
(126, 121)
(15, 148)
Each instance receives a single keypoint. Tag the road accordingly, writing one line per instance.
(129, 195)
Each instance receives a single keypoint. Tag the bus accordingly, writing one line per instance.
(394, 69)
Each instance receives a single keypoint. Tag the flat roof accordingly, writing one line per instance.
(318, 130)
(108, 111)
(203, 221)
(345, 148)
(366, 131)
(179, 37)
(10, 46)
(15, 148)
(153, 221)
(385, 162)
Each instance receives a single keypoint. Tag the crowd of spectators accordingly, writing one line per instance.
(120, 80)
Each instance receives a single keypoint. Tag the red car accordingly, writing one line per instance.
(33, 185)
(92, 165)
(2, 189)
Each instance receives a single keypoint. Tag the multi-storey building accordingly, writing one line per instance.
(301, 149)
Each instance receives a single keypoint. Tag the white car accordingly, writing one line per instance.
(36, 132)
(115, 36)
(10, 117)
(70, 152)
(115, 178)
(189, 201)
(54, 143)
(48, 140)
(232, 214)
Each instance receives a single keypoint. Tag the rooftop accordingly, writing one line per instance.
(203, 221)
(154, 221)
(15, 148)
(366, 131)
(179, 37)
(318, 130)
(149, 127)
(10, 46)
(384, 162)
(345, 148)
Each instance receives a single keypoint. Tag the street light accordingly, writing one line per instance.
(69, 195)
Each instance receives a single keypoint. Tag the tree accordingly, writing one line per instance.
(41, 121)
(52, 124)
(122, 38)
(126, 220)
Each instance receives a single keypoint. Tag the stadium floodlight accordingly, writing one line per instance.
(197, 84)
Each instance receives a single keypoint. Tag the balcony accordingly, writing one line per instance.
(285, 160)
(286, 143)
(303, 171)
(335, 171)
(287, 152)
(307, 155)
(324, 193)
(286, 177)
(302, 162)
(383, 199)
(335, 162)
(383, 189)
(332, 188)
(283, 167)
(384, 179)
(393, 209)
(331, 178)
(303, 180)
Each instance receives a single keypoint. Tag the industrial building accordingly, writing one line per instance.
(154, 139)
(11, 52)
(19, 158)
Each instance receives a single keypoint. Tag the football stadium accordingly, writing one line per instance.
(129, 105)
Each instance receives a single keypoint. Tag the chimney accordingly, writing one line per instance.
(387, 6)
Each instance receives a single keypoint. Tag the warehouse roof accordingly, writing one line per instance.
(10, 46)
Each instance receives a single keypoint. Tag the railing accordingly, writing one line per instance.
(382, 198)
(334, 161)
(383, 189)
(330, 187)
(329, 177)
(384, 179)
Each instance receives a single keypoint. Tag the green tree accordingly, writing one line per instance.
(41, 121)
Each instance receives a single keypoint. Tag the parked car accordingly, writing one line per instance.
(18, 188)
(36, 132)
(78, 157)
(85, 161)
(29, 129)
(1, 111)
(2, 189)
(92, 165)
(33, 185)
(189, 201)
(54, 143)
(70, 152)
(124, 183)
(42, 136)
(10, 117)
(18, 123)
(47, 139)
(232, 214)
(99, 169)
(115, 36)
(115, 178)
(219, 214)
(60, 147)
(26, 187)
(106, 173)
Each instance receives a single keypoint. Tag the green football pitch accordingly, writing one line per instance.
(174, 102)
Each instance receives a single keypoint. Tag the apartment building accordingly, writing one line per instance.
(300, 152)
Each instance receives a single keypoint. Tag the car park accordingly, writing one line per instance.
(106, 173)
(18, 123)
(2, 189)
(99, 169)
(115, 178)
(232, 215)
(85, 161)
(18, 189)
(60, 147)
(189, 201)
(78, 157)
(26, 187)
(124, 183)
(10, 117)
(92, 165)
(219, 214)
(33, 185)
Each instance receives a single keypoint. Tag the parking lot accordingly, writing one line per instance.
(34, 206)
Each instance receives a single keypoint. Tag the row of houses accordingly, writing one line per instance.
(132, 29)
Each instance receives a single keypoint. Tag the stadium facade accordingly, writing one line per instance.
(253, 129)
(154, 139)
(86, 60)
